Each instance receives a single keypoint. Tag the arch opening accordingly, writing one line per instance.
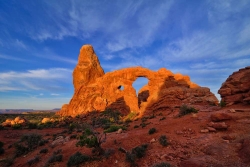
(142, 91)
(120, 87)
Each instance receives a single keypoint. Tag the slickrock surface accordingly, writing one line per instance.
(96, 91)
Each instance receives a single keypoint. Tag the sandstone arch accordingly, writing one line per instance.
(95, 90)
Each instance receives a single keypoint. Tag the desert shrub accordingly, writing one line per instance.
(140, 151)
(113, 115)
(1, 151)
(27, 143)
(7, 162)
(44, 150)
(163, 140)
(17, 126)
(184, 110)
(130, 157)
(151, 131)
(136, 126)
(162, 118)
(32, 125)
(1, 127)
(1, 144)
(131, 116)
(152, 116)
(77, 159)
(33, 160)
(92, 140)
(137, 152)
(162, 164)
(42, 142)
(222, 104)
(108, 152)
(114, 128)
(55, 158)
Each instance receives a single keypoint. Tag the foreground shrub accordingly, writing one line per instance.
(130, 158)
(77, 159)
(140, 151)
(92, 140)
(162, 164)
(151, 131)
(1, 144)
(163, 140)
(27, 143)
(44, 150)
(55, 158)
(1, 151)
(184, 110)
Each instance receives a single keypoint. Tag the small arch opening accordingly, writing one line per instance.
(120, 87)
(142, 95)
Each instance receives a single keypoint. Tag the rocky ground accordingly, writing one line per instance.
(214, 136)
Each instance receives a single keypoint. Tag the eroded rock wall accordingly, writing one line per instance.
(236, 89)
(96, 91)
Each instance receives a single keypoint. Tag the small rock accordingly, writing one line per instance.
(220, 126)
(229, 137)
(232, 110)
(119, 131)
(211, 129)
(210, 124)
(220, 117)
(204, 131)
(152, 140)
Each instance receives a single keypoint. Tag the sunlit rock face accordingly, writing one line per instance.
(236, 89)
(96, 91)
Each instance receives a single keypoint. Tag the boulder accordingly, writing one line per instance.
(96, 91)
(220, 117)
(236, 89)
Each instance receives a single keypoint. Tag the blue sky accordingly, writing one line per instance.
(40, 42)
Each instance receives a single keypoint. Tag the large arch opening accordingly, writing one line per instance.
(141, 91)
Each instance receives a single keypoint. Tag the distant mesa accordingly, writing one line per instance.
(236, 89)
(96, 91)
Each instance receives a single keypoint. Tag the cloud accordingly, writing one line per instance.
(8, 57)
(40, 79)
(54, 94)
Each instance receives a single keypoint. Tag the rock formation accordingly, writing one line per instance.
(236, 89)
(96, 91)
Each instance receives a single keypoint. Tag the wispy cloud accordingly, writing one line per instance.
(7, 57)
(40, 79)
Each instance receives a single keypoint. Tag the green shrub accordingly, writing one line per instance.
(162, 164)
(131, 116)
(55, 158)
(151, 131)
(44, 150)
(184, 110)
(77, 159)
(17, 126)
(73, 136)
(1, 144)
(163, 140)
(222, 104)
(136, 126)
(20, 149)
(140, 151)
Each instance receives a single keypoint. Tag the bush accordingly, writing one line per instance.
(1, 151)
(44, 150)
(136, 126)
(27, 143)
(151, 131)
(130, 158)
(162, 164)
(32, 126)
(16, 126)
(163, 140)
(1, 144)
(184, 110)
(222, 104)
(140, 151)
(1, 127)
(55, 158)
(77, 159)
(162, 118)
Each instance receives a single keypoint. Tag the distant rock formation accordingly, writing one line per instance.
(236, 89)
(114, 90)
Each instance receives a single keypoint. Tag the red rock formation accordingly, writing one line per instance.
(236, 89)
(96, 91)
